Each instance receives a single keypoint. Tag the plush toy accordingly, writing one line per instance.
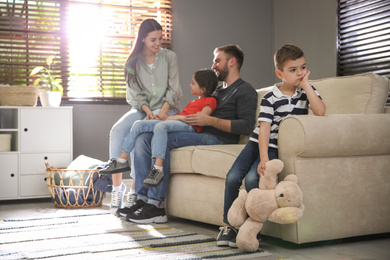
(277, 202)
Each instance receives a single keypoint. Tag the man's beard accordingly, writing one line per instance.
(223, 73)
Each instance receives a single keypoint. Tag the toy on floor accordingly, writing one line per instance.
(277, 202)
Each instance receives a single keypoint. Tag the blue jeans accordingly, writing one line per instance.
(121, 129)
(143, 161)
(245, 166)
(160, 131)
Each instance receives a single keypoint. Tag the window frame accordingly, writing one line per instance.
(363, 38)
(61, 66)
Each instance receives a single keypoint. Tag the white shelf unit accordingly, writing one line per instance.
(38, 134)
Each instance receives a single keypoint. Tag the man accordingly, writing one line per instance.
(233, 116)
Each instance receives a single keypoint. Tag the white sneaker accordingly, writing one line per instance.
(117, 198)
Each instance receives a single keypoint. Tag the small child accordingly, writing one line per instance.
(292, 97)
(203, 84)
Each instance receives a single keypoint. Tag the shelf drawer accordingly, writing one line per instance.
(46, 130)
(8, 176)
(35, 163)
(33, 185)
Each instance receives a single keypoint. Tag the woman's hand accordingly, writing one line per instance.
(160, 116)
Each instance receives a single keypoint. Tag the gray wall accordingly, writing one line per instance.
(311, 25)
(202, 25)
(258, 26)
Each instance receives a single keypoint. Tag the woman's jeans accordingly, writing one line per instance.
(160, 131)
(143, 161)
(121, 129)
(245, 166)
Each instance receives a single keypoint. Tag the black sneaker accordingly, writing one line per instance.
(232, 243)
(148, 214)
(226, 235)
(115, 167)
(132, 204)
(154, 178)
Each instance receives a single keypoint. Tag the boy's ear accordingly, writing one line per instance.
(279, 74)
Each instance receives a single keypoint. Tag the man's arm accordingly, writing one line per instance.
(245, 112)
(203, 119)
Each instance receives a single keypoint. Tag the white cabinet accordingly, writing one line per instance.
(38, 134)
(9, 176)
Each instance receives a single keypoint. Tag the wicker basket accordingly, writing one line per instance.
(68, 190)
(18, 95)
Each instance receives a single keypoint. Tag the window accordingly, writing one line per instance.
(364, 37)
(90, 39)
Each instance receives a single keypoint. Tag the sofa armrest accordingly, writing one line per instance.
(333, 136)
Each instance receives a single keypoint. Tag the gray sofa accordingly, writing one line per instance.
(342, 161)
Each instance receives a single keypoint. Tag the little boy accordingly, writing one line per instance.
(291, 97)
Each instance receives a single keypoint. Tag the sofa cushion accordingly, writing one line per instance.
(202, 159)
(358, 94)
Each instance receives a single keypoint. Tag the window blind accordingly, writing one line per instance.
(364, 37)
(90, 39)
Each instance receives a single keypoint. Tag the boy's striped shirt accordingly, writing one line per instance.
(275, 107)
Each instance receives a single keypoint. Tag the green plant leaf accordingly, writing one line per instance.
(36, 82)
(49, 60)
(36, 70)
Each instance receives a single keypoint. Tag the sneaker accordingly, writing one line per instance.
(115, 167)
(226, 235)
(117, 198)
(154, 178)
(124, 212)
(148, 214)
(232, 243)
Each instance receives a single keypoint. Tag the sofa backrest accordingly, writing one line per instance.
(357, 94)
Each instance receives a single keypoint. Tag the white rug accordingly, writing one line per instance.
(96, 234)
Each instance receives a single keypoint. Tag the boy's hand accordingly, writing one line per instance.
(261, 167)
(305, 81)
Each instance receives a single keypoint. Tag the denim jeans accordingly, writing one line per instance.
(245, 166)
(121, 129)
(160, 131)
(143, 161)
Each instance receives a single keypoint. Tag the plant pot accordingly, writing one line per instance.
(50, 98)
(18, 95)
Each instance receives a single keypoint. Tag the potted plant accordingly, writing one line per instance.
(51, 89)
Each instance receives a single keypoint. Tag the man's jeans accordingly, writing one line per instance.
(143, 161)
(122, 127)
(160, 130)
(245, 166)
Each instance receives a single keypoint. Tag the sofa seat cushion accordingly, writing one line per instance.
(205, 159)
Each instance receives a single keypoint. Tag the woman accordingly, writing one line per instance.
(153, 91)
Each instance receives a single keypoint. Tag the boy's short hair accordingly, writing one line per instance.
(233, 50)
(286, 52)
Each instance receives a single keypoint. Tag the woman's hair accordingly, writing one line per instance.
(147, 26)
(285, 53)
(231, 51)
(207, 79)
